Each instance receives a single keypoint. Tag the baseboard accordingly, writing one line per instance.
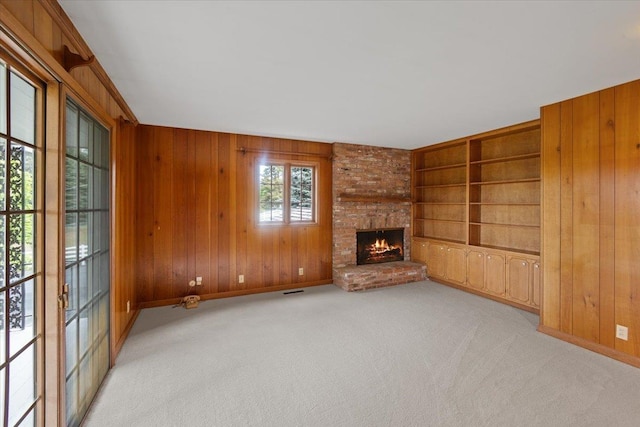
(488, 296)
(228, 294)
(123, 337)
(589, 345)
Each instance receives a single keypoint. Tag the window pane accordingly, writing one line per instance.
(105, 149)
(104, 187)
(3, 161)
(72, 344)
(71, 130)
(71, 184)
(83, 234)
(84, 186)
(85, 137)
(29, 420)
(72, 397)
(22, 384)
(22, 322)
(21, 179)
(2, 250)
(84, 282)
(301, 193)
(271, 193)
(71, 238)
(3, 334)
(85, 330)
(3, 98)
(22, 246)
(71, 278)
(23, 109)
(2, 396)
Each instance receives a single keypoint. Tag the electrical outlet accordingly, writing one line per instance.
(622, 332)
(199, 281)
(128, 306)
(301, 271)
(241, 278)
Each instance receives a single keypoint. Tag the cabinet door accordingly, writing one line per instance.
(436, 266)
(456, 265)
(419, 251)
(475, 269)
(494, 274)
(518, 279)
(535, 282)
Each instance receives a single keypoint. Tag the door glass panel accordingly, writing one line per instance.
(23, 109)
(3, 100)
(71, 179)
(2, 396)
(22, 328)
(87, 257)
(3, 161)
(21, 246)
(22, 384)
(29, 420)
(20, 281)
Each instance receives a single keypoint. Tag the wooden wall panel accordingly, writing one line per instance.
(566, 217)
(607, 217)
(124, 249)
(594, 235)
(627, 207)
(585, 151)
(163, 200)
(203, 220)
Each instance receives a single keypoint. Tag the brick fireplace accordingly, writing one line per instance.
(371, 190)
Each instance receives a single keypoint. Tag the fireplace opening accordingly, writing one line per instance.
(376, 246)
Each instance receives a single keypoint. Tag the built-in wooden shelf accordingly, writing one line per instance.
(372, 198)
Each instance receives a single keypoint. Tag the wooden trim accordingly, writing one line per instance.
(589, 345)
(487, 295)
(204, 297)
(244, 150)
(371, 198)
(69, 30)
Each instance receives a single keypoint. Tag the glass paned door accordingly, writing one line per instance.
(20, 246)
(86, 259)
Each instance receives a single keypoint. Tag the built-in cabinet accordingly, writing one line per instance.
(591, 230)
(498, 274)
(476, 213)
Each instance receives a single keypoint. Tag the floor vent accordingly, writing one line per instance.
(293, 292)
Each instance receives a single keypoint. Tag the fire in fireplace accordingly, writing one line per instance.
(376, 246)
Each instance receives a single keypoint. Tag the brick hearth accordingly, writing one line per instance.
(361, 277)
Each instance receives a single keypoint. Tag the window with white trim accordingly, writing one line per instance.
(286, 193)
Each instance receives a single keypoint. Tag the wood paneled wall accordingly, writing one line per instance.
(197, 210)
(43, 28)
(591, 230)
(124, 227)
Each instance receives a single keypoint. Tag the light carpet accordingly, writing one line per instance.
(420, 354)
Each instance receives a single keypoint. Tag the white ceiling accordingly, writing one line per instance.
(393, 74)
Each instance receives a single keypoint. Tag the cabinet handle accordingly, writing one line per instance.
(479, 255)
(524, 263)
(536, 266)
(489, 257)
